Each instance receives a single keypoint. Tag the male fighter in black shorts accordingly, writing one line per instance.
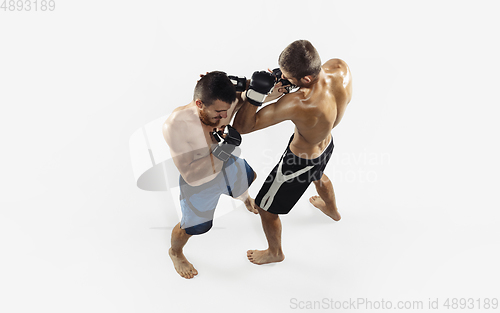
(315, 109)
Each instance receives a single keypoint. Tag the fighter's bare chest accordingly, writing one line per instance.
(201, 142)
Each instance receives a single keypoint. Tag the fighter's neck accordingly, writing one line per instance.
(310, 89)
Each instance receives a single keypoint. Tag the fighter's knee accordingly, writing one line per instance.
(254, 176)
(325, 178)
(322, 180)
(265, 214)
(318, 182)
(199, 228)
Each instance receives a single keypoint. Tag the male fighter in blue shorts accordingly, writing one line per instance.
(315, 109)
(201, 144)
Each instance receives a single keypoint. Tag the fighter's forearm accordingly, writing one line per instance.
(245, 119)
(272, 97)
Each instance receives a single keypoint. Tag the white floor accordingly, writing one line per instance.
(415, 164)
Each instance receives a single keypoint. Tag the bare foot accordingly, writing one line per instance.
(320, 204)
(264, 256)
(182, 266)
(250, 204)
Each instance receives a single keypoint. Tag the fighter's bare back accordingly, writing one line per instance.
(321, 108)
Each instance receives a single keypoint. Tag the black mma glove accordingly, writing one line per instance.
(227, 144)
(261, 84)
(240, 83)
(284, 82)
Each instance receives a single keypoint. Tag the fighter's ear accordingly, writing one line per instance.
(307, 79)
(198, 103)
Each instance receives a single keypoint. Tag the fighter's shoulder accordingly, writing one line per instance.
(180, 114)
(334, 65)
(291, 102)
(177, 121)
(293, 105)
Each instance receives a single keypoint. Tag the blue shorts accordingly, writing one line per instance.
(198, 202)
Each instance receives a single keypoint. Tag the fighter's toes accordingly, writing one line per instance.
(264, 256)
(190, 273)
(316, 201)
(250, 256)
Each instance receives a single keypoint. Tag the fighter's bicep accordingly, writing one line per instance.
(180, 148)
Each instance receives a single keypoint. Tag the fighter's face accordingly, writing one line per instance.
(293, 80)
(212, 114)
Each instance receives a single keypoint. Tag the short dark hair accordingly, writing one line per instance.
(300, 59)
(214, 86)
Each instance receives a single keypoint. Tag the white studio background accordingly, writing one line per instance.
(414, 168)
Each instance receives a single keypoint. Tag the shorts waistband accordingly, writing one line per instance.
(316, 160)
